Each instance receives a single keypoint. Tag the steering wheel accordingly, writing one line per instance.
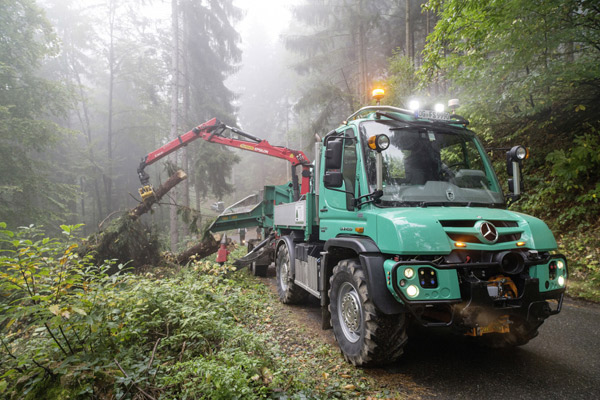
(449, 171)
(452, 166)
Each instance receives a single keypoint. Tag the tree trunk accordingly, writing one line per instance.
(174, 234)
(203, 249)
(111, 83)
(409, 42)
(145, 206)
(185, 108)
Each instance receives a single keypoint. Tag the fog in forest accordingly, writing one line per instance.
(131, 131)
(91, 87)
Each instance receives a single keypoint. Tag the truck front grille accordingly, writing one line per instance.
(464, 230)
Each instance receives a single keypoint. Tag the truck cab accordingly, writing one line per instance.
(406, 222)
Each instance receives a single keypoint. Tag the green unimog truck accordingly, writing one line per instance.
(406, 222)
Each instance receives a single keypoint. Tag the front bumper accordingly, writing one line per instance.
(466, 302)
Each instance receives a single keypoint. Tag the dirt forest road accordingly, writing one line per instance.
(563, 362)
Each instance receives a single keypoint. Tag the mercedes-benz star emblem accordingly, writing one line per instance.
(489, 232)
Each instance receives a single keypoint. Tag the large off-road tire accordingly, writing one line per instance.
(366, 336)
(521, 332)
(289, 292)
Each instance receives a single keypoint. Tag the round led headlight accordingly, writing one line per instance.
(518, 153)
(383, 142)
(412, 291)
(379, 142)
(561, 281)
(409, 273)
(560, 264)
(439, 108)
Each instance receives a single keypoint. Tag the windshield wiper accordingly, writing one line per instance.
(458, 204)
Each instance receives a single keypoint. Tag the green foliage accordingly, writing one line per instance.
(513, 62)
(569, 195)
(51, 302)
(69, 329)
(29, 190)
(583, 250)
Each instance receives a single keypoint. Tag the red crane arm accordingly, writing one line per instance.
(211, 131)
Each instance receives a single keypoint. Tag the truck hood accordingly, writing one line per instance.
(435, 230)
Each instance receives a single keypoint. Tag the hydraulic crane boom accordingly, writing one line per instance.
(212, 131)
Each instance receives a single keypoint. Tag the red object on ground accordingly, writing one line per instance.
(223, 252)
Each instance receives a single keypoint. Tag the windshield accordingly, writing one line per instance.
(430, 165)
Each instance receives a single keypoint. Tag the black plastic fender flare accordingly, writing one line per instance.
(289, 242)
(371, 260)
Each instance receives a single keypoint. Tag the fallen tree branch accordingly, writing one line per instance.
(163, 189)
(134, 383)
(203, 249)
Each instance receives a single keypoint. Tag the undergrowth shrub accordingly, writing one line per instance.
(567, 189)
(70, 330)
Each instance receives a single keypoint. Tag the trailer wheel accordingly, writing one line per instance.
(289, 292)
(259, 270)
(366, 336)
(521, 332)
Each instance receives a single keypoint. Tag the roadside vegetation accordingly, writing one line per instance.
(68, 330)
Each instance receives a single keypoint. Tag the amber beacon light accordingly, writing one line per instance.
(378, 94)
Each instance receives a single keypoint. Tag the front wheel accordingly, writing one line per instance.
(366, 336)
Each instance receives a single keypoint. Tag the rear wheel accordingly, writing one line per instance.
(289, 292)
(366, 336)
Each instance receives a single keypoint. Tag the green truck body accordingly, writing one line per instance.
(405, 222)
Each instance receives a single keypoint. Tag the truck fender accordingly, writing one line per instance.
(371, 260)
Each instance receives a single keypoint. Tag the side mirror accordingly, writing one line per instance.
(333, 154)
(333, 179)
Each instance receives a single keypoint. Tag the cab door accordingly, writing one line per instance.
(339, 183)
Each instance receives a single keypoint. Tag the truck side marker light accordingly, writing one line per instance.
(460, 244)
(359, 230)
(412, 291)
(521, 244)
